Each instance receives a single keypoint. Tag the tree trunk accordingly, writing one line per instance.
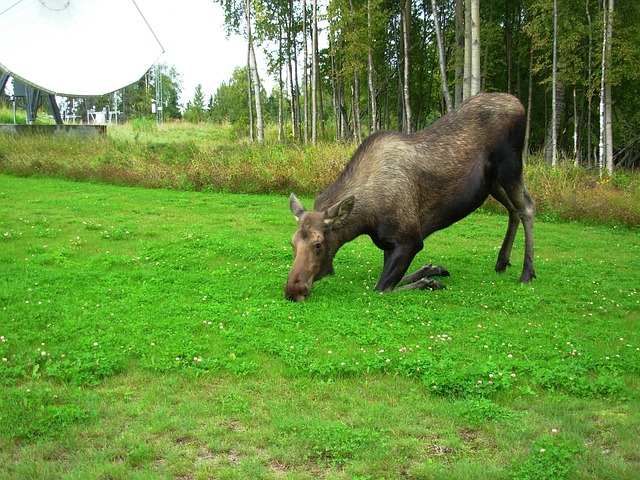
(459, 51)
(475, 47)
(576, 125)
(466, 93)
(314, 74)
(606, 134)
(557, 118)
(443, 60)
(406, 35)
(291, 52)
(589, 87)
(375, 122)
(554, 85)
(255, 79)
(355, 109)
(527, 131)
(305, 72)
(249, 93)
(507, 42)
(256, 95)
(280, 88)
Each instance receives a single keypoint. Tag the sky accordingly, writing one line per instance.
(193, 36)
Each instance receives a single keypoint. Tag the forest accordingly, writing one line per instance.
(401, 65)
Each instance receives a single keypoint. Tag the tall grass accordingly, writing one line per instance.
(216, 158)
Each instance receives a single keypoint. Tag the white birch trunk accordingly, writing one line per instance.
(255, 79)
(406, 23)
(554, 84)
(475, 47)
(466, 83)
(606, 136)
(443, 60)
(375, 125)
(314, 74)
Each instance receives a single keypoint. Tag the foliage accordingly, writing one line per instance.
(551, 458)
(195, 111)
(509, 34)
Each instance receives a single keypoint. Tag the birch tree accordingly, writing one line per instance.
(459, 25)
(554, 84)
(466, 90)
(314, 73)
(606, 132)
(475, 47)
(406, 26)
(373, 101)
(234, 11)
(443, 60)
(471, 48)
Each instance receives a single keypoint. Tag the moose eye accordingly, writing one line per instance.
(317, 248)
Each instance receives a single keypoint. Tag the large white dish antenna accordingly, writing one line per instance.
(76, 47)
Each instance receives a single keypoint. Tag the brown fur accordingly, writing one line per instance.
(405, 187)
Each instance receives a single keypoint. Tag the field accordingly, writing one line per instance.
(144, 334)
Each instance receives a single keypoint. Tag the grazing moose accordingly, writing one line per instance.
(399, 189)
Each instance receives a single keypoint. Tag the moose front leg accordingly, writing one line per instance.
(396, 263)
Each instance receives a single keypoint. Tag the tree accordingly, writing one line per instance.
(406, 36)
(393, 48)
(606, 132)
(235, 10)
(443, 60)
(475, 47)
(195, 111)
(314, 73)
(554, 89)
(230, 100)
(460, 61)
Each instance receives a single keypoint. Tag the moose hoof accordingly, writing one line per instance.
(430, 284)
(438, 271)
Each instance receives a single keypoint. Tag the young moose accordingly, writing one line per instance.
(399, 189)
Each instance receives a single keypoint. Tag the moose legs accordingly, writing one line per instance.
(396, 262)
(521, 208)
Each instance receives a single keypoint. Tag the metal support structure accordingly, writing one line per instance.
(32, 98)
(159, 101)
(4, 78)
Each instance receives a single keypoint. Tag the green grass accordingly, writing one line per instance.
(146, 336)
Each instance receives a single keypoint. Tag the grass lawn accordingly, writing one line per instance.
(144, 334)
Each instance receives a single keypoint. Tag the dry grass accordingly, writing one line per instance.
(214, 158)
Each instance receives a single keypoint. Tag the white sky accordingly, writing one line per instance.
(193, 36)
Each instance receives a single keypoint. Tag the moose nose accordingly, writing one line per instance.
(296, 291)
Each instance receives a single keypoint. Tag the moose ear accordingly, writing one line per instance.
(296, 207)
(337, 213)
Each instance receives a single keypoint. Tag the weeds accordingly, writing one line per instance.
(551, 458)
(207, 158)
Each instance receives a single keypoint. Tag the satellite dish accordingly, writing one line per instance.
(76, 47)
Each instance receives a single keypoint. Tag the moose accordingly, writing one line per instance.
(400, 188)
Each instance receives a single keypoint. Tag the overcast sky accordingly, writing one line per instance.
(193, 36)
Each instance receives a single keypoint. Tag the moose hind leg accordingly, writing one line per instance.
(504, 255)
(528, 270)
(520, 200)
